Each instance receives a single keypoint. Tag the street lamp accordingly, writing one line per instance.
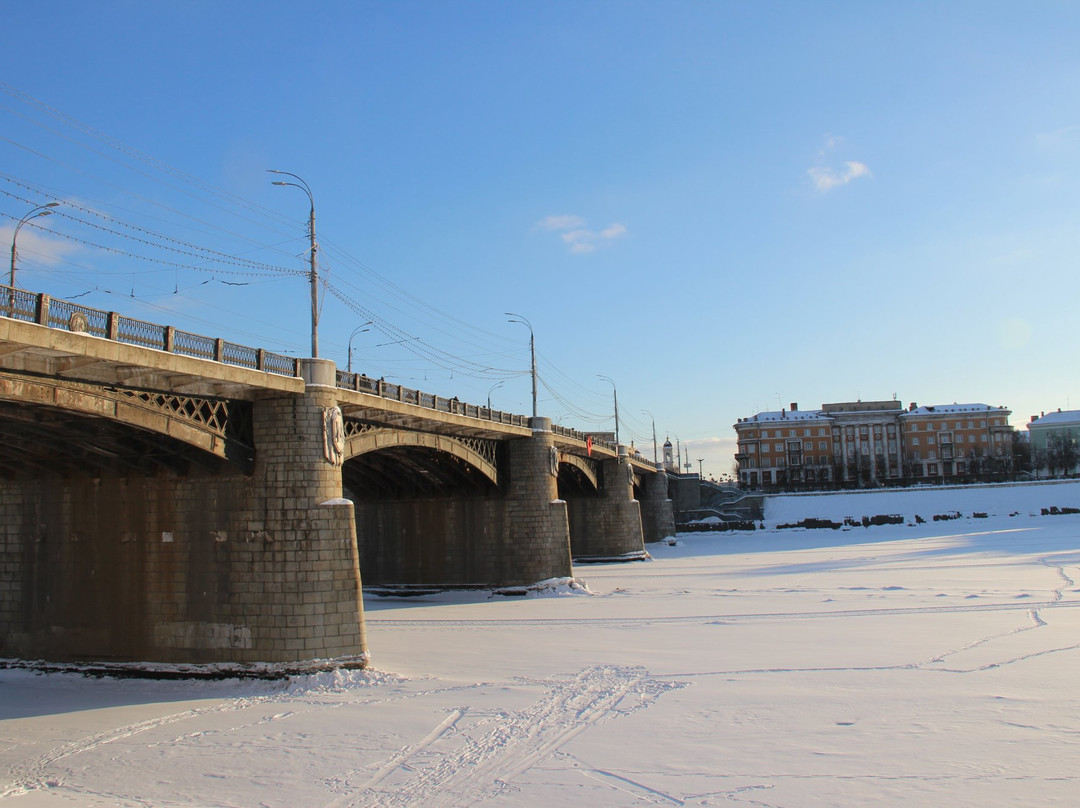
(700, 473)
(615, 393)
(358, 330)
(40, 210)
(303, 186)
(653, 419)
(532, 351)
(494, 387)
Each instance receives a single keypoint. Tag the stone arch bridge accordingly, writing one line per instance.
(171, 497)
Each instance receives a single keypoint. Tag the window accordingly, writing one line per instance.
(930, 441)
(931, 455)
(916, 456)
(808, 446)
(914, 441)
(931, 468)
(914, 427)
(778, 447)
(971, 438)
(806, 433)
(821, 445)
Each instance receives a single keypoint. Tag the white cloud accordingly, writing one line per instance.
(825, 179)
(37, 246)
(564, 222)
(1059, 137)
(579, 238)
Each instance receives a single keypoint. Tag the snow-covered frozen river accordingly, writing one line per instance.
(918, 665)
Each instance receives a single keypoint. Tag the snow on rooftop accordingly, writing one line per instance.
(952, 409)
(788, 415)
(1056, 418)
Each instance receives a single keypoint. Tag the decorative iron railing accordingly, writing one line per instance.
(395, 392)
(18, 304)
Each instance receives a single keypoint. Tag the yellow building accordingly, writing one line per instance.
(872, 443)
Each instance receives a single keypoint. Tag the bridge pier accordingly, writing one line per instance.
(609, 525)
(194, 567)
(657, 512)
(537, 526)
(513, 534)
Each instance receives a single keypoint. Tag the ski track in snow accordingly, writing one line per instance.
(33, 774)
(470, 757)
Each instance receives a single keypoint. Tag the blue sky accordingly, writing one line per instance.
(723, 207)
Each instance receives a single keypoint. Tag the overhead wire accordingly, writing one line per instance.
(491, 347)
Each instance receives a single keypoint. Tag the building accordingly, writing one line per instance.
(1054, 439)
(873, 443)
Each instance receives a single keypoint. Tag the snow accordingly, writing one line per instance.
(914, 664)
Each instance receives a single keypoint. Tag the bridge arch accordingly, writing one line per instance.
(471, 460)
(580, 468)
(212, 426)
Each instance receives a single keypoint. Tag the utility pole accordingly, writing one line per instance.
(40, 210)
(532, 353)
(615, 393)
(314, 276)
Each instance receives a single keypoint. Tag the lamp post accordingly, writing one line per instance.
(678, 455)
(615, 393)
(303, 186)
(653, 419)
(517, 318)
(358, 330)
(700, 473)
(40, 210)
(494, 387)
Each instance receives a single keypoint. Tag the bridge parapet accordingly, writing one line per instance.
(63, 315)
(452, 406)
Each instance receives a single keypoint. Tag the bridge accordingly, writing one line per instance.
(171, 497)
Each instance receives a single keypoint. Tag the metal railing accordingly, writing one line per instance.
(395, 392)
(63, 315)
(573, 434)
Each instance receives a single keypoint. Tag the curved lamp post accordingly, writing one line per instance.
(494, 387)
(358, 330)
(615, 393)
(653, 419)
(532, 351)
(40, 210)
(303, 186)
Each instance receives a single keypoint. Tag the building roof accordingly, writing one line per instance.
(953, 409)
(1059, 418)
(785, 416)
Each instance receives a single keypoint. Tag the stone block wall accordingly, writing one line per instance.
(192, 569)
(657, 512)
(608, 525)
